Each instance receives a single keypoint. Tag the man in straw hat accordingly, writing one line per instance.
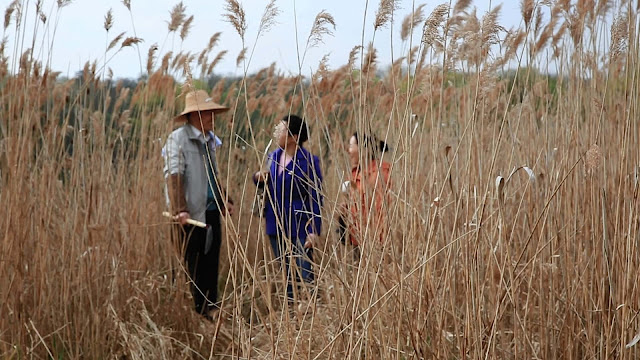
(194, 192)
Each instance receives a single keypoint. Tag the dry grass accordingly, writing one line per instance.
(471, 267)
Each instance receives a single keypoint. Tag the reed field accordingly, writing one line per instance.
(513, 215)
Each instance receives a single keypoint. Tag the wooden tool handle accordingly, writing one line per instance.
(189, 221)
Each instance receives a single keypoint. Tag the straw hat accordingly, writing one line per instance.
(199, 100)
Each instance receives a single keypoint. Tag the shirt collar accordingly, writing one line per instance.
(208, 136)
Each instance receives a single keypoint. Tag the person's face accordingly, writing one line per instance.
(281, 135)
(354, 152)
(203, 120)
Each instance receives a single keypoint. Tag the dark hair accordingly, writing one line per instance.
(371, 144)
(297, 126)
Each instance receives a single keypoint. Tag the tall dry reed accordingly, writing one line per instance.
(481, 259)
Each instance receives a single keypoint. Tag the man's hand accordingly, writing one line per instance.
(182, 217)
(261, 176)
(228, 209)
(310, 243)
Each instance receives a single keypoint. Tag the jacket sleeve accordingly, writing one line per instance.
(316, 198)
(173, 156)
(261, 185)
(176, 195)
(174, 167)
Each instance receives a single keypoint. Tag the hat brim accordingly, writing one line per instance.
(217, 109)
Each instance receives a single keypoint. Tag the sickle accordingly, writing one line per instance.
(209, 241)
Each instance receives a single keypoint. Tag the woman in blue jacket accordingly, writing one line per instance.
(293, 199)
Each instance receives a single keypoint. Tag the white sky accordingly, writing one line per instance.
(80, 35)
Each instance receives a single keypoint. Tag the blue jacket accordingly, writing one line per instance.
(293, 198)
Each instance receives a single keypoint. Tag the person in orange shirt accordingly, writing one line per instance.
(363, 214)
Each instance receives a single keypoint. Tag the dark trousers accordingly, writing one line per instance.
(203, 268)
(292, 252)
(345, 237)
(343, 233)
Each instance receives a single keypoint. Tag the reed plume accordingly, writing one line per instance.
(176, 16)
(558, 36)
(213, 41)
(323, 69)
(619, 37)
(186, 26)
(177, 60)
(166, 61)
(461, 6)
(15, 4)
(411, 21)
(353, 54)
(236, 17)
(576, 27)
(268, 19)
(384, 13)
(115, 41)
(526, 8)
(151, 58)
(321, 27)
(593, 158)
(413, 54)
(241, 56)
(130, 41)
(430, 33)
(215, 61)
(545, 37)
(491, 27)
(108, 20)
(370, 59)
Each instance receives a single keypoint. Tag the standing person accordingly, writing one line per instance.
(194, 192)
(293, 200)
(369, 183)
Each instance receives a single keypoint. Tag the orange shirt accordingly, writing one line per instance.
(368, 185)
